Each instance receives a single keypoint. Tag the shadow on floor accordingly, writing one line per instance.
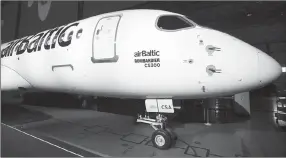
(61, 100)
(192, 112)
(14, 114)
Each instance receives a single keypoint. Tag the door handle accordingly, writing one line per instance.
(67, 65)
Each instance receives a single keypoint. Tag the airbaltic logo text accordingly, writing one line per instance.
(146, 53)
(34, 43)
(148, 62)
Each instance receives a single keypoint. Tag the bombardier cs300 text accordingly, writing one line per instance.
(145, 54)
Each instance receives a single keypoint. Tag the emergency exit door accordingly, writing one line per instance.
(104, 40)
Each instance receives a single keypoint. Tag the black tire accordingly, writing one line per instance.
(172, 133)
(162, 134)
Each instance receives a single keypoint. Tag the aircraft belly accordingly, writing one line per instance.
(12, 80)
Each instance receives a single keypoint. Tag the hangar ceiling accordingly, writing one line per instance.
(226, 16)
(3, 3)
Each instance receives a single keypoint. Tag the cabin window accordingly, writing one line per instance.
(171, 22)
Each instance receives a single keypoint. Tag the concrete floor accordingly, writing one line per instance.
(17, 144)
(106, 134)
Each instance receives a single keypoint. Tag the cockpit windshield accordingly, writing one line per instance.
(190, 20)
(174, 22)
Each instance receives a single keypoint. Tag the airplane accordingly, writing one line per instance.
(154, 55)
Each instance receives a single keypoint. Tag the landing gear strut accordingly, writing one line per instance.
(163, 137)
(84, 103)
(87, 102)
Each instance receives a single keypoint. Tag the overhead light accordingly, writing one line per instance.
(283, 69)
(249, 14)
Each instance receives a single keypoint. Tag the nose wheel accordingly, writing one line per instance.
(163, 137)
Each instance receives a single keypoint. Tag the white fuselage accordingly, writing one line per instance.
(106, 60)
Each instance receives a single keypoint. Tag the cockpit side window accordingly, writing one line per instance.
(173, 22)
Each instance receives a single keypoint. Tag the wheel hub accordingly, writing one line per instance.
(159, 140)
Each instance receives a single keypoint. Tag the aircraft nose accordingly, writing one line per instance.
(269, 69)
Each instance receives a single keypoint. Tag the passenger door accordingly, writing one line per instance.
(104, 40)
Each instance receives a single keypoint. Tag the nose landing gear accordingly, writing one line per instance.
(163, 137)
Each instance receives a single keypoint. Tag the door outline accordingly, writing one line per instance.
(115, 57)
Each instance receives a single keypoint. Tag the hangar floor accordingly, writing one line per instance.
(105, 134)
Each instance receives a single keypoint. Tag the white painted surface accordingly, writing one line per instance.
(165, 105)
(151, 105)
(241, 65)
